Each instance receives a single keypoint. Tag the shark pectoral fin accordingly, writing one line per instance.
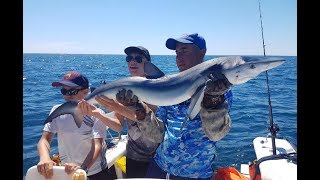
(195, 103)
(194, 106)
(152, 71)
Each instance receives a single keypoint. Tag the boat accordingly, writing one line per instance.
(273, 162)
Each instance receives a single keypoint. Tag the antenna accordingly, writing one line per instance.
(273, 128)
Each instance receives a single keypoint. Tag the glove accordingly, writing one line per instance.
(127, 98)
(217, 87)
(214, 93)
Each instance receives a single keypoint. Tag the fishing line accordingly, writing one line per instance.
(273, 128)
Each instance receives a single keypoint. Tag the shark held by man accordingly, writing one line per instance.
(176, 88)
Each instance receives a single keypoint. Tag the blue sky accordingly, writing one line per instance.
(230, 27)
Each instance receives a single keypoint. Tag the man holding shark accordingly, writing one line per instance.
(188, 147)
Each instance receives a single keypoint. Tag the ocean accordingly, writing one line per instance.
(249, 112)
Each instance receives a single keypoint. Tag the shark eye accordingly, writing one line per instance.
(252, 66)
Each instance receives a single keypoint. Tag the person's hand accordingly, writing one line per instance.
(70, 168)
(45, 168)
(87, 108)
(127, 98)
(217, 87)
(108, 103)
(214, 92)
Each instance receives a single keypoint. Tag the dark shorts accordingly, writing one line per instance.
(136, 169)
(155, 171)
(106, 174)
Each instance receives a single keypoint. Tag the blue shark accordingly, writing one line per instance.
(166, 90)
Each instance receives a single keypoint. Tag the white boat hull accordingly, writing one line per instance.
(116, 152)
(279, 169)
(58, 174)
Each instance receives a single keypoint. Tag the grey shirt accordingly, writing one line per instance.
(139, 146)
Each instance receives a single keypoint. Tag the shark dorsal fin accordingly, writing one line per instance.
(152, 71)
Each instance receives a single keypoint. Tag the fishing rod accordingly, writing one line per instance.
(273, 128)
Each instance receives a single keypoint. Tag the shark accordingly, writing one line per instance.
(165, 90)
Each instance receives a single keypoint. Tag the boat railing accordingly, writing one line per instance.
(116, 149)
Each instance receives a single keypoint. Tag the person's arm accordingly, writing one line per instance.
(45, 165)
(142, 113)
(214, 111)
(122, 109)
(91, 157)
(91, 110)
(152, 127)
(148, 123)
(94, 152)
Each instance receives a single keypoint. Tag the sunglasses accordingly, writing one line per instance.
(138, 59)
(70, 92)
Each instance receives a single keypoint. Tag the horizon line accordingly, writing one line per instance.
(150, 54)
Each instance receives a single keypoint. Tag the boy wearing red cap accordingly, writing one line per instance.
(82, 147)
